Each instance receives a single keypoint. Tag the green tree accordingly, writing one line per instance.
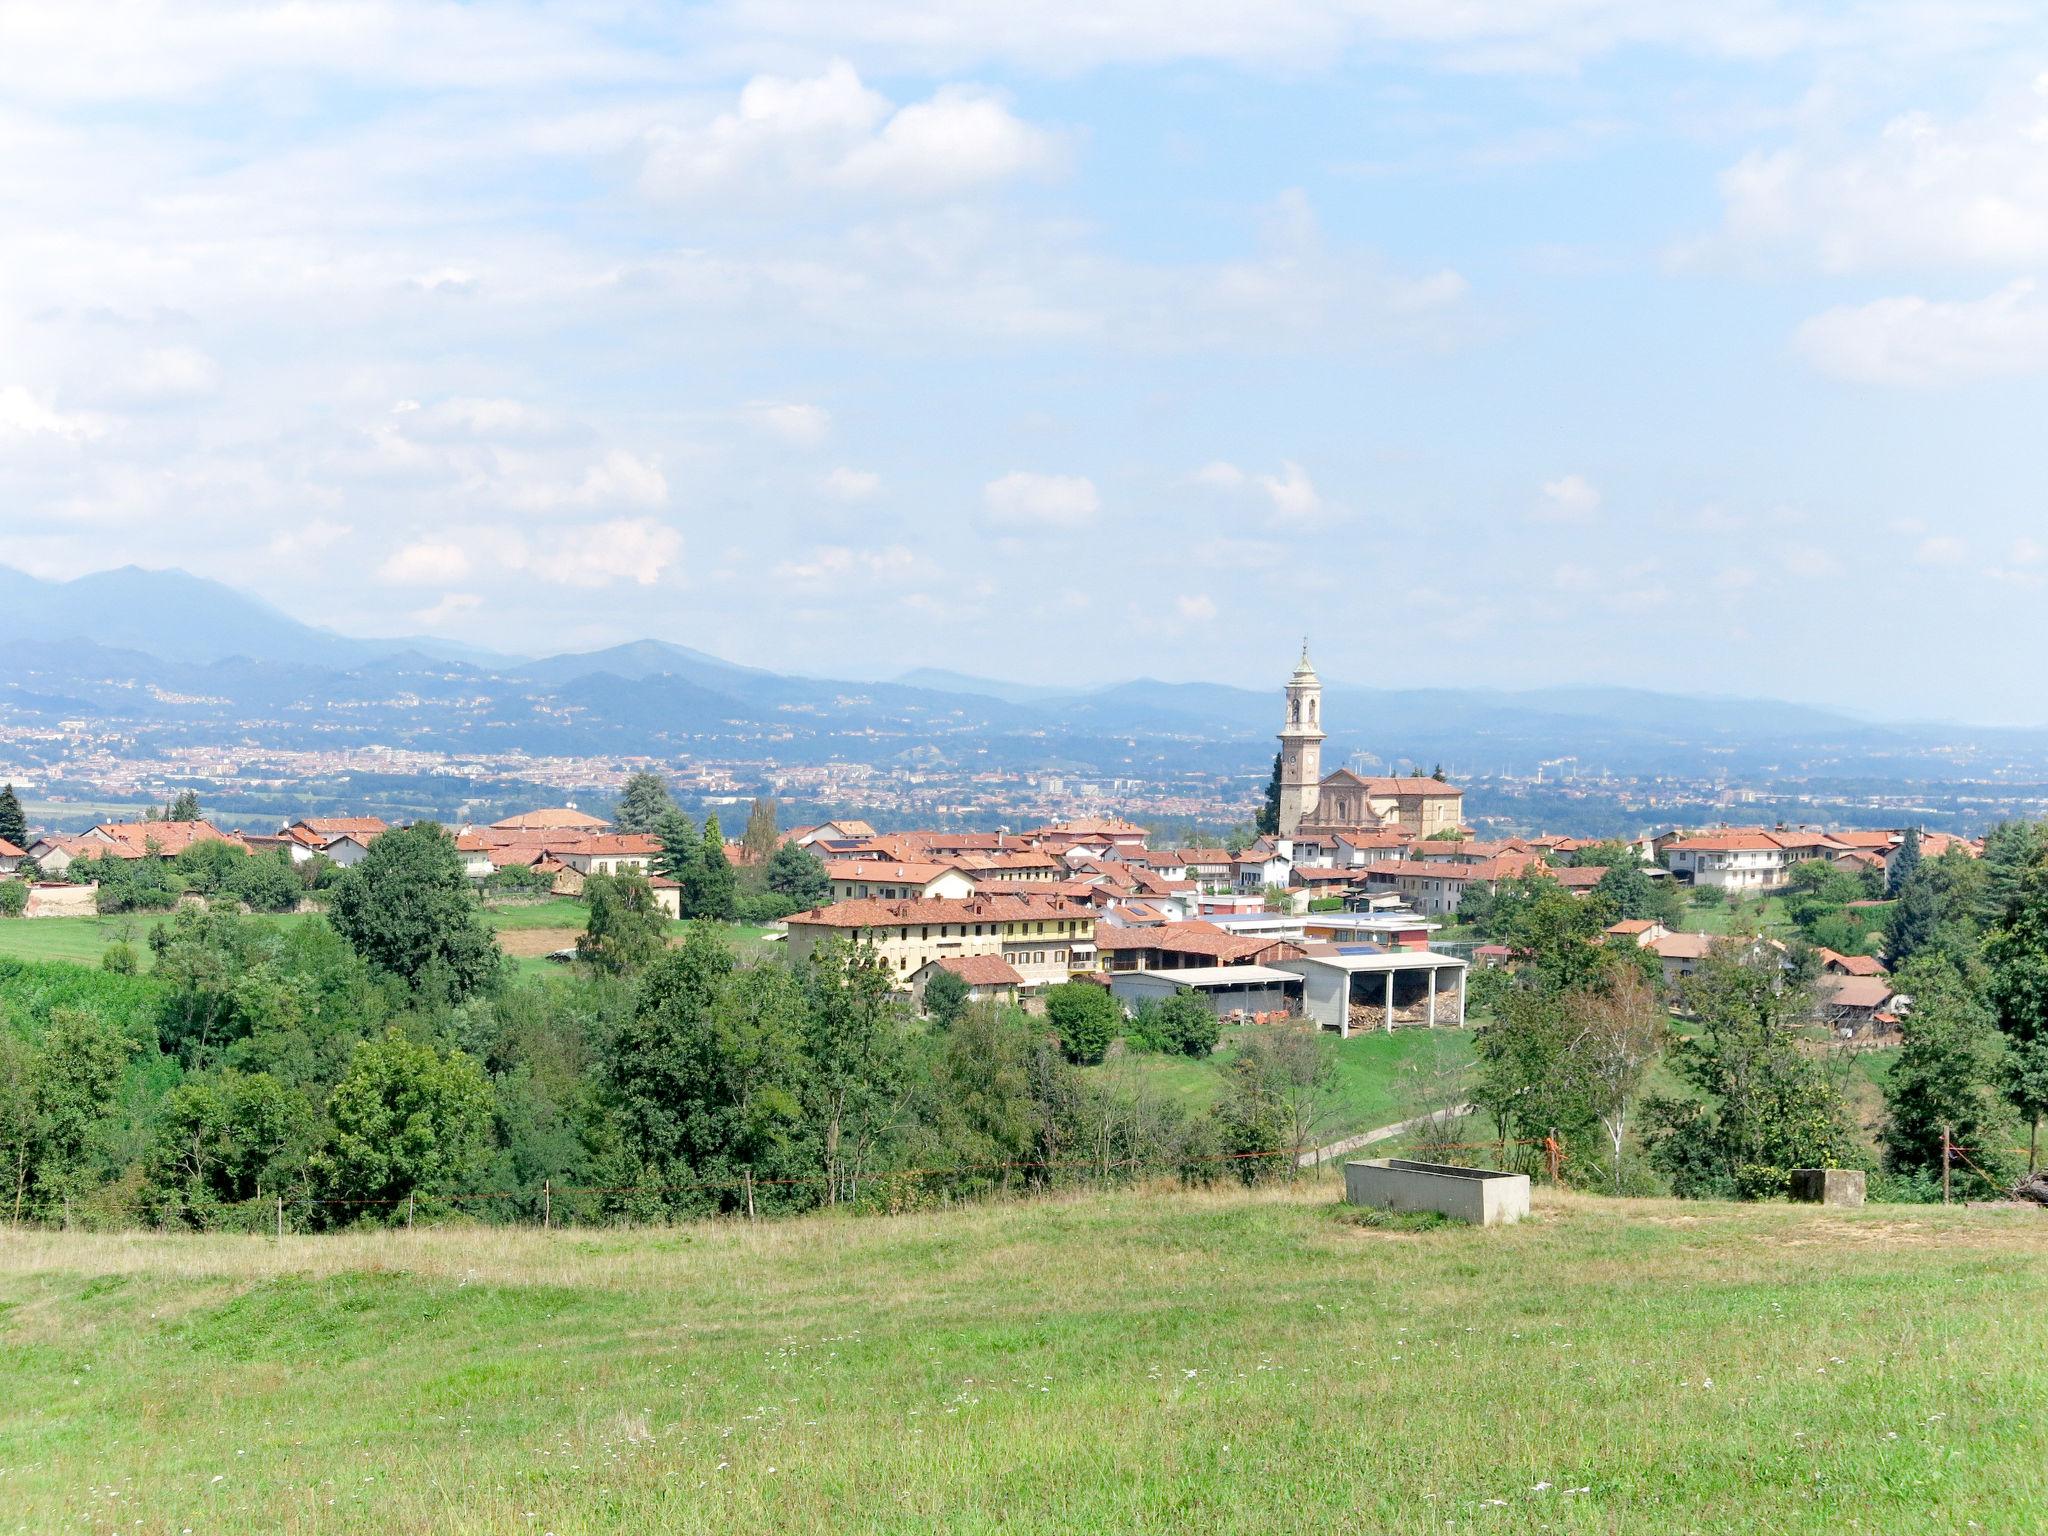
(1633, 895)
(1557, 934)
(799, 874)
(408, 910)
(759, 838)
(184, 806)
(702, 1080)
(13, 824)
(1275, 1103)
(2017, 951)
(854, 1049)
(13, 897)
(1910, 926)
(57, 1108)
(1905, 864)
(1186, 1024)
(2010, 849)
(269, 883)
(1085, 1017)
(627, 930)
(710, 889)
(1762, 1107)
(642, 803)
(406, 1120)
(1947, 1077)
(1267, 823)
(680, 846)
(211, 866)
(226, 1140)
(945, 998)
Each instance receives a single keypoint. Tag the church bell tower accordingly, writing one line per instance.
(1301, 747)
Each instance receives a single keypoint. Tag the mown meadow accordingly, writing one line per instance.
(1156, 1358)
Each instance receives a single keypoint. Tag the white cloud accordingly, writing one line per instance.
(850, 485)
(619, 479)
(307, 538)
(452, 606)
(1021, 500)
(1569, 498)
(1068, 36)
(1913, 341)
(173, 373)
(2026, 551)
(429, 563)
(1941, 550)
(1292, 493)
(1195, 607)
(1218, 475)
(1922, 192)
(799, 425)
(832, 564)
(22, 415)
(636, 550)
(832, 134)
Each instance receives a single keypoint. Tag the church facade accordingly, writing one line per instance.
(1313, 802)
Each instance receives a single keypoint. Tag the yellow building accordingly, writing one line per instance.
(1045, 939)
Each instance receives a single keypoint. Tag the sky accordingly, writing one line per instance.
(1491, 342)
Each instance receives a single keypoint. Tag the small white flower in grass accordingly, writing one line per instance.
(1540, 1488)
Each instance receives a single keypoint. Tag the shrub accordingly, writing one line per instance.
(120, 958)
(763, 906)
(1085, 1017)
(13, 898)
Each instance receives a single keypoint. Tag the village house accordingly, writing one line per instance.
(989, 978)
(876, 879)
(10, 857)
(1171, 946)
(1046, 939)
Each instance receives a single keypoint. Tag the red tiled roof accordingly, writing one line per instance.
(9, 851)
(131, 839)
(1858, 991)
(879, 870)
(1683, 946)
(609, 842)
(980, 970)
(556, 819)
(1189, 938)
(997, 908)
(361, 827)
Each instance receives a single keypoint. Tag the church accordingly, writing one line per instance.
(1311, 802)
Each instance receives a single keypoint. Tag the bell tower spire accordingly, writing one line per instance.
(1301, 746)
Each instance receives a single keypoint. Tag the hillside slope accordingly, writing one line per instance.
(1223, 1361)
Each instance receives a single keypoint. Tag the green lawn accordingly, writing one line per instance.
(1377, 1078)
(84, 939)
(1720, 918)
(1155, 1360)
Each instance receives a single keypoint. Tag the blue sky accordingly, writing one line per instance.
(1525, 341)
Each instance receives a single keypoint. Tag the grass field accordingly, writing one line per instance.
(531, 929)
(1376, 1078)
(1172, 1361)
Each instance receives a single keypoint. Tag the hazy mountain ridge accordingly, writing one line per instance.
(193, 656)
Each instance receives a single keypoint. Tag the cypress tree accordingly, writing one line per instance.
(13, 823)
(1905, 864)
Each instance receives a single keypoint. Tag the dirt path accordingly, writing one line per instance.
(1338, 1149)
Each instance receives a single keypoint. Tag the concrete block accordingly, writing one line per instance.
(1485, 1197)
(1828, 1186)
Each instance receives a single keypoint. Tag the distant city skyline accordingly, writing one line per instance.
(1523, 344)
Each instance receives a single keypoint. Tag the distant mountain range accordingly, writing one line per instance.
(193, 660)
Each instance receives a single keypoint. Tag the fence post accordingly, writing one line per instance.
(408, 1210)
(750, 1194)
(1944, 1162)
(280, 1221)
(1554, 1154)
(547, 1204)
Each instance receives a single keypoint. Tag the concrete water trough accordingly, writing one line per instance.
(1485, 1197)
